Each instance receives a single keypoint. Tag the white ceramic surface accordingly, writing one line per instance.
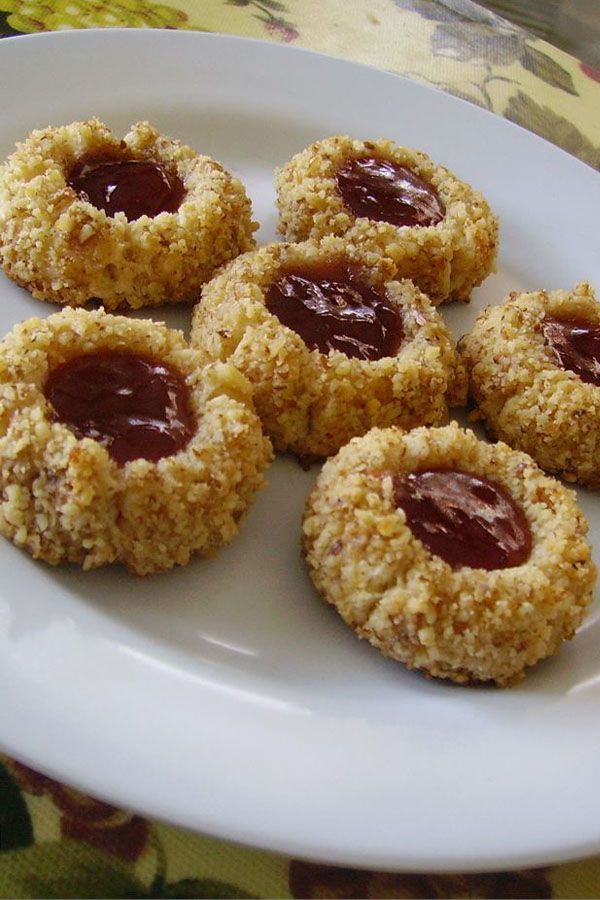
(225, 696)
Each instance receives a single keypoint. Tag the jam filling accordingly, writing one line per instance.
(464, 519)
(135, 406)
(576, 346)
(386, 192)
(130, 186)
(332, 308)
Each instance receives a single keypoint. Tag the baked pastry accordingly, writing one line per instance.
(331, 344)
(136, 222)
(439, 231)
(534, 372)
(117, 446)
(453, 556)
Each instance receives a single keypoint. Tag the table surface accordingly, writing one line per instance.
(57, 842)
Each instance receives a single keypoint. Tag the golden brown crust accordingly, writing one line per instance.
(524, 396)
(65, 500)
(61, 248)
(446, 260)
(311, 403)
(466, 624)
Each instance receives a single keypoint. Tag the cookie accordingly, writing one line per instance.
(331, 344)
(534, 373)
(438, 230)
(116, 445)
(135, 222)
(456, 557)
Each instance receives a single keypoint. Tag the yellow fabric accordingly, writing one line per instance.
(397, 36)
(451, 44)
(56, 842)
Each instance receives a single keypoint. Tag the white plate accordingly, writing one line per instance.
(226, 696)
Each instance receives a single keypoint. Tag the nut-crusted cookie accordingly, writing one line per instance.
(331, 344)
(75, 489)
(438, 230)
(534, 372)
(387, 498)
(64, 234)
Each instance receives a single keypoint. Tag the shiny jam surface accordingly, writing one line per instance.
(332, 308)
(387, 192)
(576, 346)
(135, 406)
(134, 187)
(464, 519)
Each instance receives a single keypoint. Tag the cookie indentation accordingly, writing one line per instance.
(331, 308)
(464, 519)
(135, 406)
(131, 186)
(380, 190)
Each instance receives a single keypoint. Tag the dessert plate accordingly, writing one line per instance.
(226, 697)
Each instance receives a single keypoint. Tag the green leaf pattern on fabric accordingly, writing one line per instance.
(469, 33)
(16, 829)
(545, 122)
(202, 888)
(66, 869)
(546, 68)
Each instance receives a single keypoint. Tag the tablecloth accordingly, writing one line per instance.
(57, 842)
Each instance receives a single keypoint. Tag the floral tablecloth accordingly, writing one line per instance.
(57, 842)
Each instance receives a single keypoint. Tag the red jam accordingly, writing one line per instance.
(332, 308)
(135, 406)
(386, 192)
(134, 187)
(576, 346)
(464, 519)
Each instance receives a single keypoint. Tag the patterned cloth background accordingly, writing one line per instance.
(451, 44)
(56, 842)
